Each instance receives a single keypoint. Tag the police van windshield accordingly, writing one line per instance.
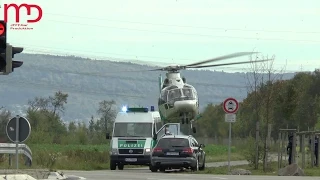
(132, 130)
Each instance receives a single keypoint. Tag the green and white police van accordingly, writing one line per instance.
(133, 137)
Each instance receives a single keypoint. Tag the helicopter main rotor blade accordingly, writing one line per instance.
(238, 54)
(159, 69)
(226, 64)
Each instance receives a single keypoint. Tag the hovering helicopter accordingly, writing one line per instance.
(179, 100)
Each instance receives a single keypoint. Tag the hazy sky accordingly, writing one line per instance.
(175, 31)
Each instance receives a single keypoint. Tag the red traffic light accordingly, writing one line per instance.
(3, 28)
(3, 34)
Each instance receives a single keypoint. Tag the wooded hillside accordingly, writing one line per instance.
(293, 103)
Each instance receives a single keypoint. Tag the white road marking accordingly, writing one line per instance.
(159, 179)
(75, 176)
(153, 178)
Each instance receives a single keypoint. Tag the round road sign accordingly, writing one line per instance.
(230, 105)
(24, 129)
(2, 29)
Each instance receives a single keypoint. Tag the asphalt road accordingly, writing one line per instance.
(134, 174)
(145, 174)
(97, 175)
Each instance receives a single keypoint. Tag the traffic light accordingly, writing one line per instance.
(11, 65)
(7, 52)
(3, 45)
(16, 50)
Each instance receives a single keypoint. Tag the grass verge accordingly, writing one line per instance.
(219, 153)
(95, 157)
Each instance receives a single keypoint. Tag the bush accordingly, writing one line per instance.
(72, 157)
(46, 159)
(249, 151)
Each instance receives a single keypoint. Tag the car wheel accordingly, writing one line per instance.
(196, 168)
(120, 166)
(113, 165)
(153, 169)
(203, 165)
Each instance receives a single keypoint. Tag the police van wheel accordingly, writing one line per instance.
(120, 166)
(153, 169)
(162, 169)
(113, 165)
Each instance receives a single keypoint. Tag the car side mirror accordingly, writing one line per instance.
(107, 135)
(202, 146)
(194, 130)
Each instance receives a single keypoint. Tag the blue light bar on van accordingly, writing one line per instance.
(152, 108)
(124, 108)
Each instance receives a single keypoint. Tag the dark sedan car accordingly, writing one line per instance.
(176, 152)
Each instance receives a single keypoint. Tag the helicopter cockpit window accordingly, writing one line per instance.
(174, 95)
(163, 98)
(188, 93)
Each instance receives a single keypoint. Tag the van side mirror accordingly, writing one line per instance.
(107, 135)
(155, 136)
(194, 130)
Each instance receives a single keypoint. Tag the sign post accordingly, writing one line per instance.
(18, 130)
(17, 141)
(230, 106)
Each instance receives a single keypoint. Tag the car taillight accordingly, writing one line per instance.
(157, 150)
(187, 150)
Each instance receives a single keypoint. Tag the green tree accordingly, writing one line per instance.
(107, 115)
(44, 118)
(5, 116)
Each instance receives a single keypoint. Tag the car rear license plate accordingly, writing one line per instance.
(172, 153)
(131, 159)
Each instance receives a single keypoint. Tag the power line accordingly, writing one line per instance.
(38, 49)
(185, 34)
(188, 26)
(96, 52)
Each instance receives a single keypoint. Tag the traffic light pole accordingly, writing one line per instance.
(17, 142)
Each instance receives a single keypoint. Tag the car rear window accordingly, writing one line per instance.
(173, 142)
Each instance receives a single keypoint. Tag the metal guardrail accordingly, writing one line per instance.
(10, 148)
